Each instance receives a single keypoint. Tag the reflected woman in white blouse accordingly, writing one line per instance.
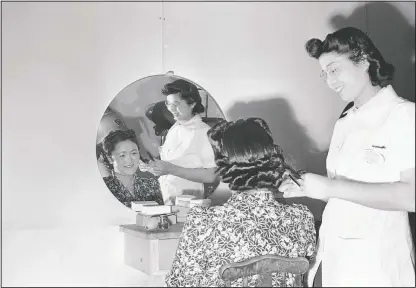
(186, 157)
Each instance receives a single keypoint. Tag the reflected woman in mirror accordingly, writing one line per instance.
(186, 157)
(110, 121)
(254, 221)
(123, 155)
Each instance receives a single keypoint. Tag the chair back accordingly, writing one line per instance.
(264, 266)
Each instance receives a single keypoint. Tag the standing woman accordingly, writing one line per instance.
(186, 157)
(365, 238)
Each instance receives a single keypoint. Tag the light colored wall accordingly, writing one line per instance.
(63, 63)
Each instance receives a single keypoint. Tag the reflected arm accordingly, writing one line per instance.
(201, 175)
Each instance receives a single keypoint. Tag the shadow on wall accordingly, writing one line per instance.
(298, 147)
(395, 40)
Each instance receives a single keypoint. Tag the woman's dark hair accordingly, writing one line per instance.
(187, 91)
(112, 139)
(359, 46)
(246, 156)
(159, 114)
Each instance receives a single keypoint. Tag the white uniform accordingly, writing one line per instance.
(364, 246)
(186, 145)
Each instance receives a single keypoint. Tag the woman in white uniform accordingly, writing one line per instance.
(186, 157)
(365, 238)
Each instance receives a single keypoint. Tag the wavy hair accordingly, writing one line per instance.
(187, 91)
(246, 156)
(359, 47)
(112, 139)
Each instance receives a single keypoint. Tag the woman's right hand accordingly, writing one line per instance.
(310, 185)
(144, 167)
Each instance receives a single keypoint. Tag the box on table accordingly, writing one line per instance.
(142, 220)
(200, 202)
(183, 200)
(156, 209)
(181, 213)
(138, 205)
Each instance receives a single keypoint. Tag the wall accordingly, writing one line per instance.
(64, 62)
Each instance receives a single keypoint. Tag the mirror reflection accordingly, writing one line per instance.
(152, 143)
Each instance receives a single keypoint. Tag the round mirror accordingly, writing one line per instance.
(161, 117)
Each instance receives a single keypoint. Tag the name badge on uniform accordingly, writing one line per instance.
(373, 156)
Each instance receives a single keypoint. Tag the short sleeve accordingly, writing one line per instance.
(205, 149)
(403, 136)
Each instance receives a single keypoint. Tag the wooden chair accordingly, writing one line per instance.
(264, 266)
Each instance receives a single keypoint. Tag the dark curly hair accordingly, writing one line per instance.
(246, 156)
(187, 91)
(359, 46)
(112, 139)
(159, 114)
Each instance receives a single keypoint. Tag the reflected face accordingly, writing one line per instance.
(343, 76)
(180, 110)
(125, 157)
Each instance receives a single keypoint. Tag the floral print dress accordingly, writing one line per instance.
(145, 189)
(247, 225)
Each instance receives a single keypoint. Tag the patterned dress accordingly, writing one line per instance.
(145, 189)
(247, 225)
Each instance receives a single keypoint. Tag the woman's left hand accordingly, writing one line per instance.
(311, 185)
(157, 167)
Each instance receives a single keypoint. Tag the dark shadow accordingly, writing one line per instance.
(392, 34)
(297, 146)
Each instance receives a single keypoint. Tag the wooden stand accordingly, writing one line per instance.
(149, 251)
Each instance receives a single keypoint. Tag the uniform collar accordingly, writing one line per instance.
(373, 111)
(382, 97)
(191, 123)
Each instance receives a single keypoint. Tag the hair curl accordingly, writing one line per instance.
(246, 156)
(359, 47)
(187, 91)
(111, 140)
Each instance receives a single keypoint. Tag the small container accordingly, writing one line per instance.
(200, 202)
(163, 222)
(152, 223)
(183, 200)
(181, 213)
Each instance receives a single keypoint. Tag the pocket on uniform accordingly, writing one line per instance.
(374, 156)
(375, 166)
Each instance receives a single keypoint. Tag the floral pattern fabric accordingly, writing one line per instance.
(145, 189)
(247, 225)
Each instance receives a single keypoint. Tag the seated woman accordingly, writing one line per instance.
(110, 121)
(254, 221)
(122, 152)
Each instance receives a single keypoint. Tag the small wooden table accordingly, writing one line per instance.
(150, 252)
